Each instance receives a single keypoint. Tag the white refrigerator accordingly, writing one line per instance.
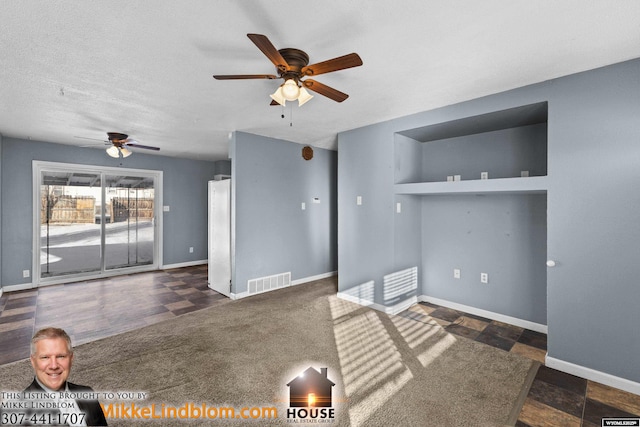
(220, 236)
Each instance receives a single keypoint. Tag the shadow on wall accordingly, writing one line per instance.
(362, 294)
(400, 286)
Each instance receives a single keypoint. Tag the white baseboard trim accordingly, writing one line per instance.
(392, 309)
(593, 375)
(484, 313)
(20, 287)
(360, 301)
(183, 264)
(23, 286)
(296, 282)
(313, 278)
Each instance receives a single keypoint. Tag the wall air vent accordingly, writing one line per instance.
(269, 283)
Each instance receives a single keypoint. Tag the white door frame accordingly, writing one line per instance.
(39, 166)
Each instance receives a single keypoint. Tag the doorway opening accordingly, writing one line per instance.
(94, 221)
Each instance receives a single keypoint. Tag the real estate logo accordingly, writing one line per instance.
(310, 397)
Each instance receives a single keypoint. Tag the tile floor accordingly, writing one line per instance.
(100, 308)
(556, 399)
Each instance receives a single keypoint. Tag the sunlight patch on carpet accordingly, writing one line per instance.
(428, 339)
(372, 368)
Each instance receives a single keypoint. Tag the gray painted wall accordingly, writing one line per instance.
(272, 233)
(366, 232)
(223, 167)
(503, 154)
(593, 219)
(592, 231)
(185, 191)
(0, 212)
(502, 235)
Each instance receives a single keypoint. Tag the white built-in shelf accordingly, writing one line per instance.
(531, 185)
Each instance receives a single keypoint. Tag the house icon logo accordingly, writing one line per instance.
(311, 392)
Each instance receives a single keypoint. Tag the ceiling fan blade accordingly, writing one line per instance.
(325, 90)
(91, 139)
(269, 50)
(103, 144)
(244, 76)
(340, 63)
(146, 147)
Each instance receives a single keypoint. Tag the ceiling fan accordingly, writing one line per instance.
(119, 142)
(292, 65)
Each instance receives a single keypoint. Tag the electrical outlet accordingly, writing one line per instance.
(484, 175)
(191, 250)
(26, 273)
(303, 206)
(359, 200)
(484, 278)
(456, 273)
(398, 207)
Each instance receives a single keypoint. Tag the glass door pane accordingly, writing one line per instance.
(70, 237)
(129, 221)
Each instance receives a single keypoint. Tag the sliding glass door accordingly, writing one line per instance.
(92, 222)
(129, 231)
(69, 235)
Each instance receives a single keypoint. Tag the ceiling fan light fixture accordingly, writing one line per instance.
(304, 97)
(113, 152)
(278, 96)
(290, 90)
(292, 65)
(125, 152)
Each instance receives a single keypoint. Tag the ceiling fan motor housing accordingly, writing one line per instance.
(297, 60)
(116, 137)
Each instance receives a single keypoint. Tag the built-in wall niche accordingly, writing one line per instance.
(492, 147)
(495, 225)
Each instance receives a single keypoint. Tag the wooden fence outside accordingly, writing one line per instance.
(82, 209)
(68, 209)
(123, 208)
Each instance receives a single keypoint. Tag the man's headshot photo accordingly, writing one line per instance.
(52, 359)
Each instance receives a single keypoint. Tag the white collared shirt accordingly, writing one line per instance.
(66, 406)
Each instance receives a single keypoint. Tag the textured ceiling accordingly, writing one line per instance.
(78, 69)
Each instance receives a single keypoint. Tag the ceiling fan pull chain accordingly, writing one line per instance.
(290, 114)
